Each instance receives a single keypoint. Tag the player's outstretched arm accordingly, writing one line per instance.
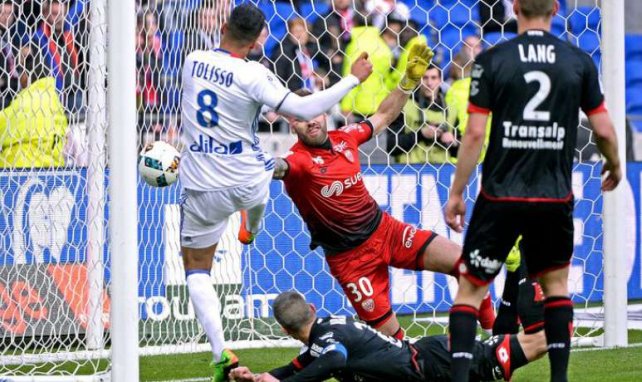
(419, 58)
(320, 369)
(469, 152)
(306, 108)
(606, 140)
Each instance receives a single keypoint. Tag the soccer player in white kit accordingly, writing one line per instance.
(223, 169)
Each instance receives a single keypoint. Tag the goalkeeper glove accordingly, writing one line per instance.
(419, 58)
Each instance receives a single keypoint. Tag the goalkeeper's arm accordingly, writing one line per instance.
(418, 60)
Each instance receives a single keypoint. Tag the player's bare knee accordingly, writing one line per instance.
(469, 293)
(441, 255)
(555, 283)
(200, 258)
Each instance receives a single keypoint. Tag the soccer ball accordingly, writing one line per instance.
(158, 164)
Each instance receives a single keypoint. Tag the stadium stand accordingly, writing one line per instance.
(445, 24)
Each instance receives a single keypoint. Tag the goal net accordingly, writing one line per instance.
(55, 264)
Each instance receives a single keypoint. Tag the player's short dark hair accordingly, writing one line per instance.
(291, 311)
(245, 23)
(536, 8)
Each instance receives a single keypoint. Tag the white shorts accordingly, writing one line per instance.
(204, 214)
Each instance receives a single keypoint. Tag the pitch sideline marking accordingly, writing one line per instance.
(635, 345)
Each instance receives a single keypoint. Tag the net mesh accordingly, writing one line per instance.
(54, 269)
(53, 286)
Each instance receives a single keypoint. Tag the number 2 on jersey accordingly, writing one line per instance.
(206, 115)
(530, 112)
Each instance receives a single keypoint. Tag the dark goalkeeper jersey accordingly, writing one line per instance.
(534, 86)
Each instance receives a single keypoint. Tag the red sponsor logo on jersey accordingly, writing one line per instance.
(337, 187)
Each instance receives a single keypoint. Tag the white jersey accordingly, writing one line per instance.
(221, 102)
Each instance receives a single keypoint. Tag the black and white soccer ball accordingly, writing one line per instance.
(158, 164)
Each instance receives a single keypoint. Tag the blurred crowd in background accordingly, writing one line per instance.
(44, 56)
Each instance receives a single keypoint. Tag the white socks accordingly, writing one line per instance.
(254, 218)
(208, 308)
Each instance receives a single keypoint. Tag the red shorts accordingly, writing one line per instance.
(363, 271)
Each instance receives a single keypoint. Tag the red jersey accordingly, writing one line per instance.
(327, 187)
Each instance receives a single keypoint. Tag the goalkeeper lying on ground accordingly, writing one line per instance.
(351, 351)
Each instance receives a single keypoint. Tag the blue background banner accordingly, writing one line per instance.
(43, 220)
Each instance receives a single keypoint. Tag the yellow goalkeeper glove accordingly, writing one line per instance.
(419, 58)
(514, 258)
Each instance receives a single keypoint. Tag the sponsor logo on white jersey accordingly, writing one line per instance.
(337, 187)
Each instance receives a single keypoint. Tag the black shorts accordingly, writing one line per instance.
(434, 357)
(547, 237)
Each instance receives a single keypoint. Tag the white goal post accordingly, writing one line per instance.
(123, 220)
(615, 286)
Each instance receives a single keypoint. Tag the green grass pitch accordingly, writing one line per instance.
(586, 365)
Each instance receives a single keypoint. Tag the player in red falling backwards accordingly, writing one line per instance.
(323, 177)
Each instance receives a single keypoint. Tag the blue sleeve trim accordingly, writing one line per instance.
(196, 271)
(338, 347)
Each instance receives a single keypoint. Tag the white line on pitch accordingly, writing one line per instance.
(635, 345)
